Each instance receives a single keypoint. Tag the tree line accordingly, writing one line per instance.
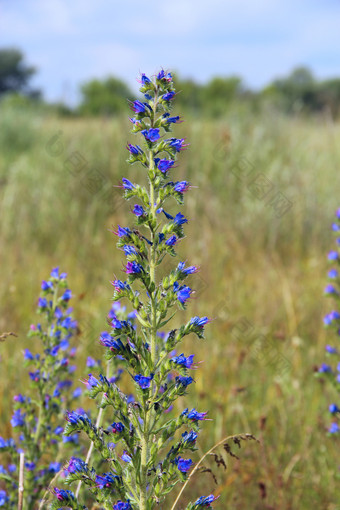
(299, 92)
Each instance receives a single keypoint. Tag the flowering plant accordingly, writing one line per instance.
(142, 467)
(39, 418)
(332, 322)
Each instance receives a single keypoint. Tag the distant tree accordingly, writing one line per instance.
(14, 73)
(329, 96)
(219, 93)
(107, 97)
(298, 92)
(189, 95)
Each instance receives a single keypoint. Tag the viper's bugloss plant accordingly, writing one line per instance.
(145, 451)
(331, 369)
(38, 418)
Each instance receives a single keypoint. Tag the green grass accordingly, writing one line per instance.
(254, 266)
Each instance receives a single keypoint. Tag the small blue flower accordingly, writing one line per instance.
(330, 349)
(333, 255)
(54, 467)
(125, 457)
(334, 428)
(171, 241)
(181, 187)
(67, 295)
(333, 273)
(133, 268)
(3, 497)
(164, 164)
(189, 437)
(176, 143)
(332, 316)
(333, 408)
(330, 289)
(199, 322)
(42, 303)
(138, 107)
(138, 210)
(18, 419)
(127, 184)
(134, 149)
(76, 465)
(183, 292)
(120, 505)
(152, 135)
(46, 285)
(28, 355)
(117, 427)
(143, 381)
(324, 369)
(168, 96)
(30, 466)
(183, 361)
(144, 79)
(90, 362)
(205, 501)
(173, 120)
(184, 381)
(184, 465)
(129, 250)
(194, 415)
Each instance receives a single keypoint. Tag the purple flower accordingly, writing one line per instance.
(163, 75)
(324, 369)
(194, 415)
(138, 210)
(76, 465)
(330, 349)
(18, 419)
(120, 505)
(183, 292)
(120, 286)
(176, 143)
(184, 465)
(42, 303)
(173, 120)
(171, 241)
(330, 289)
(205, 501)
(133, 268)
(127, 184)
(63, 495)
(168, 96)
(134, 149)
(54, 467)
(199, 322)
(90, 362)
(334, 428)
(144, 79)
(330, 317)
(67, 295)
(129, 250)
(123, 232)
(117, 427)
(143, 381)
(108, 341)
(179, 219)
(333, 273)
(333, 408)
(184, 381)
(189, 437)
(152, 135)
(46, 285)
(138, 107)
(181, 187)
(106, 480)
(164, 164)
(28, 355)
(4, 498)
(125, 457)
(333, 255)
(183, 361)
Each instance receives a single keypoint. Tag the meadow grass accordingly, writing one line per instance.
(257, 269)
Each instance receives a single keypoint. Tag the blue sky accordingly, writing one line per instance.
(72, 41)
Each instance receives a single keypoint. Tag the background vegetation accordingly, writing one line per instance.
(262, 273)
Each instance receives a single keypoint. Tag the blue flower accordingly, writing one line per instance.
(152, 134)
(67, 295)
(333, 273)
(143, 381)
(134, 149)
(184, 381)
(54, 467)
(127, 184)
(333, 255)
(120, 505)
(205, 501)
(117, 427)
(168, 96)
(138, 210)
(76, 465)
(173, 120)
(334, 428)
(183, 292)
(333, 408)
(189, 437)
(332, 316)
(108, 341)
(42, 302)
(194, 415)
(63, 495)
(129, 250)
(28, 355)
(120, 286)
(199, 322)
(171, 241)
(138, 107)
(3, 497)
(176, 143)
(184, 465)
(46, 285)
(330, 349)
(183, 361)
(324, 369)
(18, 418)
(30, 466)
(125, 457)
(133, 268)
(181, 187)
(106, 480)
(164, 164)
(144, 79)
(179, 219)
(90, 362)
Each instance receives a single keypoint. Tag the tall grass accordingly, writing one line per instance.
(254, 266)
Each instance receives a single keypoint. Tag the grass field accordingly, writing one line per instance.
(262, 276)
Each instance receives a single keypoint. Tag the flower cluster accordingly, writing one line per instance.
(331, 321)
(37, 420)
(143, 452)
